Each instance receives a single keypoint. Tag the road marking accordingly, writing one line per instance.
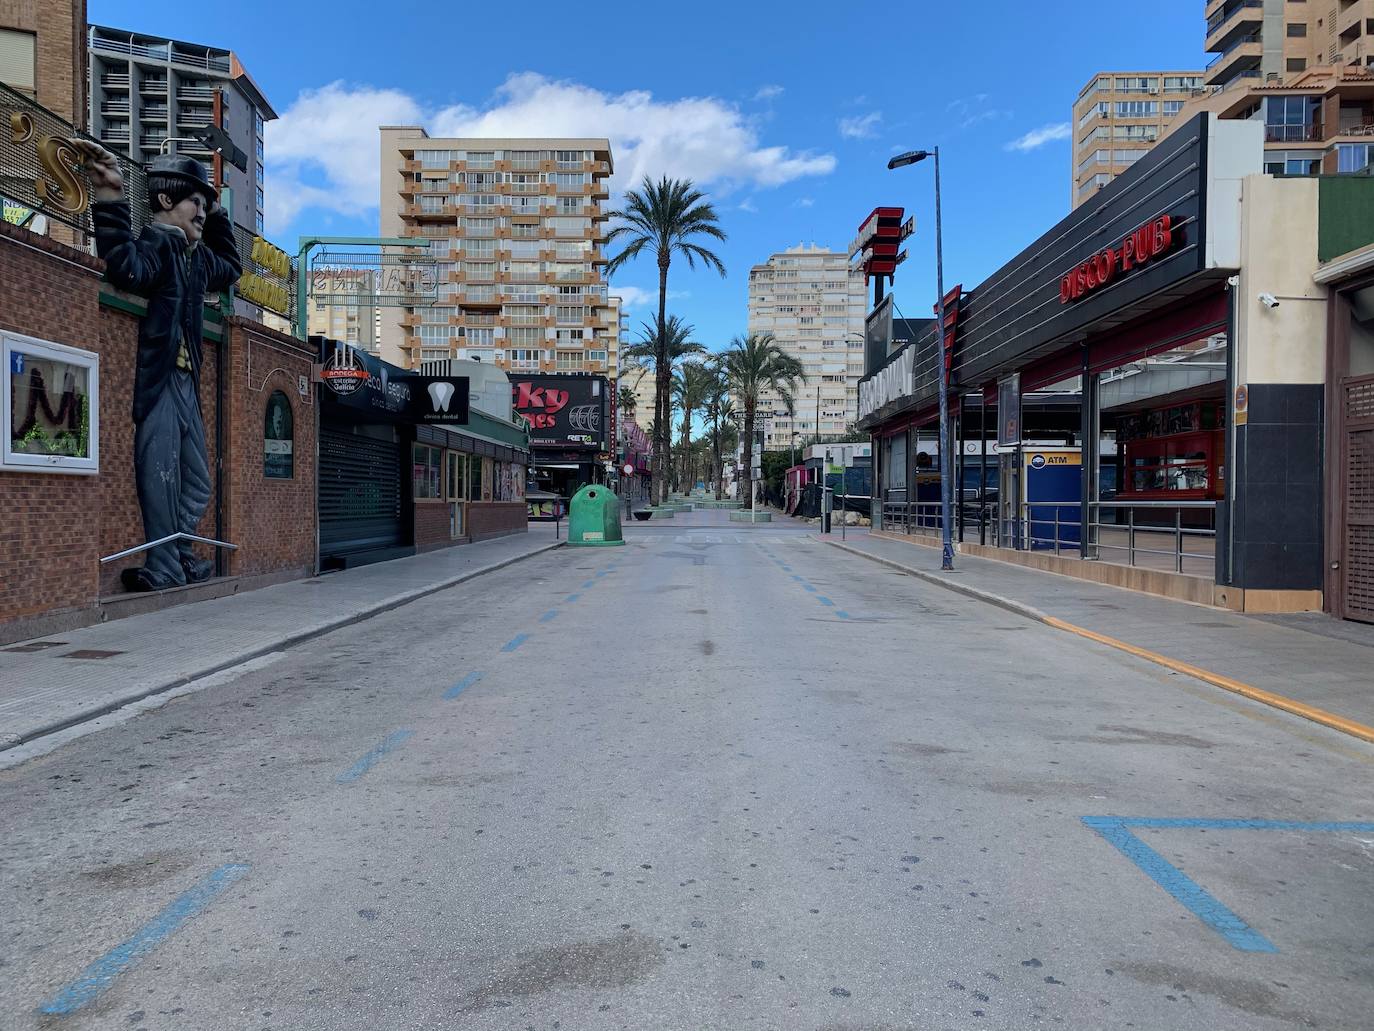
(1116, 830)
(549, 617)
(572, 597)
(394, 741)
(515, 642)
(462, 685)
(808, 588)
(589, 583)
(824, 600)
(1278, 701)
(99, 975)
(842, 613)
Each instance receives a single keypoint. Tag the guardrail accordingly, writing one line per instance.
(1160, 534)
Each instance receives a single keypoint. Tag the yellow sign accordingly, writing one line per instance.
(254, 288)
(1042, 459)
(64, 189)
(274, 259)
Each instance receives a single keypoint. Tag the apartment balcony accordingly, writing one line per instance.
(410, 319)
(1238, 57)
(1235, 17)
(154, 114)
(115, 80)
(204, 94)
(116, 136)
(1311, 132)
(117, 107)
(153, 141)
(195, 119)
(430, 214)
(155, 87)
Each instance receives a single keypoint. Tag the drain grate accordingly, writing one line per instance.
(89, 653)
(37, 646)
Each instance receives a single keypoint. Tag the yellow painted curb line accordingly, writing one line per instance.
(1278, 701)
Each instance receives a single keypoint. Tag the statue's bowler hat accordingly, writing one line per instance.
(174, 166)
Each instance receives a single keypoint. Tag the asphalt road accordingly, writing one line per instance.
(723, 777)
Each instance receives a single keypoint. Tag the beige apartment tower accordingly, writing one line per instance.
(1117, 118)
(813, 304)
(517, 226)
(1266, 41)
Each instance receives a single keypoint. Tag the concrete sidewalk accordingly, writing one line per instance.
(1312, 659)
(64, 679)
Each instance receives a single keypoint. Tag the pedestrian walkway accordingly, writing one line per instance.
(1313, 660)
(62, 679)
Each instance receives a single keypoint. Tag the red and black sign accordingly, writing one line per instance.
(564, 411)
(1148, 242)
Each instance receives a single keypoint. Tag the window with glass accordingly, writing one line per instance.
(482, 227)
(427, 472)
(525, 231)
(524, 248)
(525, 336)
(478, 181)
(569, 313)
(1179, 83)
(1172, 107)
(523, 270)
(434, 158)
(482, 201)
(50, 398)
(1098, 110)
(480, 336)
(479, 270)
(563, 226)
(1136, 108)
(481, 158)
(435, 315)
(570, 360)
(1352, 157)
(525, 158)
(1136, 83)
(596, 356)
(569, 205)
(435, 335)
(1291, 118)
(525, 182)
(457, 476)
(479, 248)
(565, 180)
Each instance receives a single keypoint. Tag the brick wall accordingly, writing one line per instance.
(55, 526)
(60, 59)
(496, 518)
(431, 525)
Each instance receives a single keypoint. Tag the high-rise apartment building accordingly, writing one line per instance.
(149, 94)
(517, 227)
(1117, 118)
(351, 312)
(813, 304)
(1264, 41)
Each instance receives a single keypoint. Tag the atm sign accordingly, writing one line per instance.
(1041, 461)
(1145, 244)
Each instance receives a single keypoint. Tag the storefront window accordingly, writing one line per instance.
(474, 478)
(428, 472)
(49, 397)
(488, 478)
(457, 475)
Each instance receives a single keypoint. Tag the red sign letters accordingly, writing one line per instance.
(539, 404)
(1146, 243)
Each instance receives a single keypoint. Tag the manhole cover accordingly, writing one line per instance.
(36, 646)
(89, 653)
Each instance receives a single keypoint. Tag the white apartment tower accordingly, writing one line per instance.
(517, 227)
(813, 304)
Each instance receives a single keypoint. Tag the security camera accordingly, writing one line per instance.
(1269, 300)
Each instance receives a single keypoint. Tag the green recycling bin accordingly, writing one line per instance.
(594, 518)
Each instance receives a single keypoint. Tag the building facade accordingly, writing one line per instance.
(43, 53)
(1117, 118)
(352, 318)
(147, 90)
(1270, 40)
(517, 227)
(812, 302)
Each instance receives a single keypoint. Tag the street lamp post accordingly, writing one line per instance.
(946, 458)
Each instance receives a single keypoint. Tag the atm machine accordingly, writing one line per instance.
(1040, 497)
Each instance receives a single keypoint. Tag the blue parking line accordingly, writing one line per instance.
(394, 741)
(462, 685)
(589, 583)
(824, 600)
(99, 975)
(1183, 888)
(808, 588)
(842, 614)
(573, 597)
(1239, 825)
(549, 617)
(515, 642)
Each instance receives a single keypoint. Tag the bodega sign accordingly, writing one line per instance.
(1147, 243)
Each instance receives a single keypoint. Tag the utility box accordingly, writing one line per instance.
(594, 517)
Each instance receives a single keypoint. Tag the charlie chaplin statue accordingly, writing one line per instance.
(186, 251)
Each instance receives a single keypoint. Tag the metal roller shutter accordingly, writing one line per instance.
(360, 492)
(1358, 560)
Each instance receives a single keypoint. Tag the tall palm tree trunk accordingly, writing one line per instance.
(747, 472)
(663, 372)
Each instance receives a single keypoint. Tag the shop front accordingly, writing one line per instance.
(406, 465)
(569, 426)
(1110, 372)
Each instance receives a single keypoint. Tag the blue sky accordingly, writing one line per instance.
(785, 113)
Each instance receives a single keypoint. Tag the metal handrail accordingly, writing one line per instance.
(167, 540)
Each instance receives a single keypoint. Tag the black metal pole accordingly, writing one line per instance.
(983, 469)
(946, 460)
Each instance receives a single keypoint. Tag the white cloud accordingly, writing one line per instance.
(748, 205)
(805, 202)
(324, 150)
(638, 296)
(769, 92)
(1039, 137)
(861, 127)
(329, 135)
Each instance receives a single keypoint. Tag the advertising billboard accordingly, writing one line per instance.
(567, 412)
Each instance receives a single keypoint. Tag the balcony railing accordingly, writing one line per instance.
(115, 109)
(153, 86)
(1232, 48)
(115, 80)
(206, 93)
(1309, 132)
(1225, 14)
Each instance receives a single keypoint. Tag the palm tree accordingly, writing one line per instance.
(626, 401)
(753, 364)
(665, 218)
(691, 386)
(661, 348)
(718, 409)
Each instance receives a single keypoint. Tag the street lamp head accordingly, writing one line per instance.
(909, 158)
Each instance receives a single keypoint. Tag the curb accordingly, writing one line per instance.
(1330, 720)
(290, 641)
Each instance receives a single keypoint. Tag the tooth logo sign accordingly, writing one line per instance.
(441, 394)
